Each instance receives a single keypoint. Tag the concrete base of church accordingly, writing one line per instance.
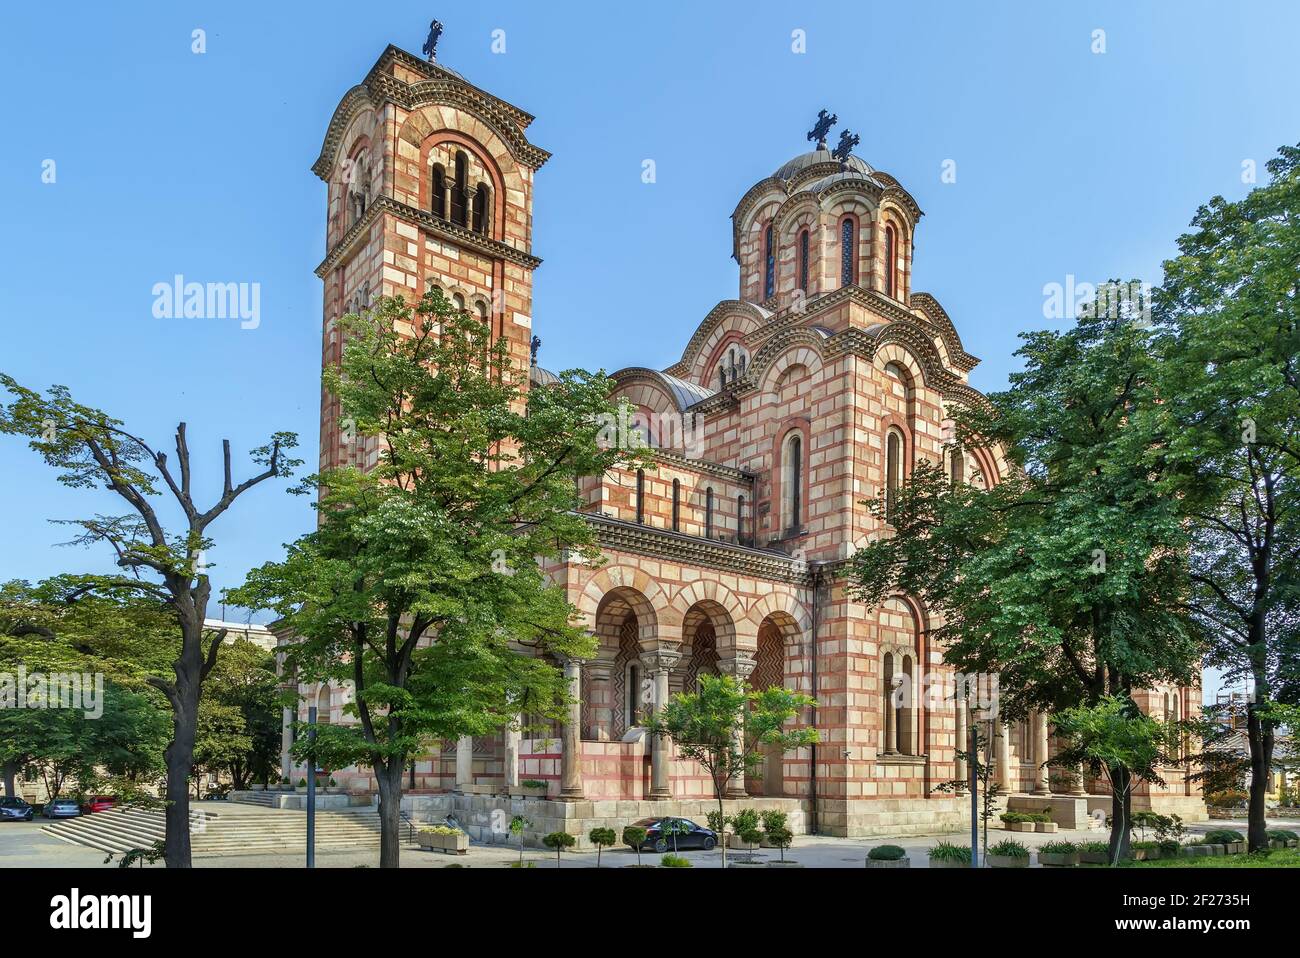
(857, 818)
(487, 817)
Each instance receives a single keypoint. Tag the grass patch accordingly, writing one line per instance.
(1278, 858)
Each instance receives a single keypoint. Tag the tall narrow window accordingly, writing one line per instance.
(632, 694)
(460, 192)
(958, 468)
(891, 262)
(893, 472)
(769, 261)
(708, 513)
(438, 186)
(677, 505)
(792, 483)
(848, 253)
(640, 495)
(740, 520)
(480, 220)
(803, 261)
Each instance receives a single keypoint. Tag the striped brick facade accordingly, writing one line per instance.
(726, 558)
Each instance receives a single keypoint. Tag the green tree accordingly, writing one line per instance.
(422, 585)
(559, 841)
(602, 838)
(244, 679)
(722, 725)
(1067, 579)
(1115, 739)
(1231, 378)
(635, 836)
(92, 450)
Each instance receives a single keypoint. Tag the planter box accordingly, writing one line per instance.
(1022, 826)
(733, 841)
(784, 864)
(1048, 827)
(945, 863)
(527, 791)
(1058, 861)
(458, 843)
(1194, 851)
(747, 863)
(1006, 861)
(1235, 848)
(900, 863)
(300, 789)
(257, 788)
(1094, 858)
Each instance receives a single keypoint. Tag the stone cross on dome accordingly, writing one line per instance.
(823, 125)
(430, 48)
(845, 146)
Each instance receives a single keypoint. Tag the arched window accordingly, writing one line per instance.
(708, 513)
(740, 520)
(722, 377)
(677, 505)
(957, 467)
(792, 483)
(481, 209)
(891, 262)
(438, 187)
(907, 710)
(848, 252)
(893, 471)
(803, 261)
(632, 694)
(640, 495)
(769, 263)
(460, 191)
(887, 695)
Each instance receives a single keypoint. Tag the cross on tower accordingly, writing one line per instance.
(845, 146)
(430, 48)
(821, 128)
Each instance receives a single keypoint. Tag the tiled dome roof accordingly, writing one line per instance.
(800, 163)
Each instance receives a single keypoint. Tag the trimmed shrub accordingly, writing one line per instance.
(1223, 836)
(674, 861)
(1281, 835)
(1058, 848)
(887, 853)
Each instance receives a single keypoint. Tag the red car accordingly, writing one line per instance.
(100, 803)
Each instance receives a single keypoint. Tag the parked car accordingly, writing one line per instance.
(100, 803)
(689, 835)
(15, 809)
(61, 808)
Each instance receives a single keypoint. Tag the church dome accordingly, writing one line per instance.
(818, 157)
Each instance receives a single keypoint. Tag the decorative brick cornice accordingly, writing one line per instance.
(426, 221)
(623, 536)
(929, 307)
(440, 86)
(730, 473)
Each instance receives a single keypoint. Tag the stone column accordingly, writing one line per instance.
(1077, 788)
(464, 762)
(1039, 728)
(600, 691)
(1002, 755)
(512, 738)
(741, 665)
(571, 734)
(891, 737)
(286, 743)
(659, 663)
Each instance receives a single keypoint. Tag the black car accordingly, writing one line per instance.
(659, 834)
(15, 809)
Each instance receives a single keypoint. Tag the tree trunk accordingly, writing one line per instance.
(1260, 737)
(722, 827)
(388, 775)
(11, 775)
(1120, 814)
(180, 762)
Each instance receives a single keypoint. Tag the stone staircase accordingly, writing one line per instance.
(230, 829)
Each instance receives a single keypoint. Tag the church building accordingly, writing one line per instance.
(815, 386)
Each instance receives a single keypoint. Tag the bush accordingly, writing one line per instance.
(1008, 848)
(717, 821)
(1058, 848)
(1145, 846)
(1013, 818)
(559, 841)
(1281, 835)
(634, 835)
(602, 838)
(1223, 836)
(532, 783)
(1169, 847)
(887, 853)
(745, 820)
(438, 830)
(1228, 798)
(1095, 848)
(947, 852)
(674, 861)
(773, 820)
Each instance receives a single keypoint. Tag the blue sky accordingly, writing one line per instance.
(1068, 163)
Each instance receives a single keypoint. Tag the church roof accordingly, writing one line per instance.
(541, 377)
(683, 393)
(800, 163)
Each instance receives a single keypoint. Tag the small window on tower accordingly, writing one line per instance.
(438, 187)
(769, 259)
(848, 253)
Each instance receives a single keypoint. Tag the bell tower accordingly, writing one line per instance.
(430, 183)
